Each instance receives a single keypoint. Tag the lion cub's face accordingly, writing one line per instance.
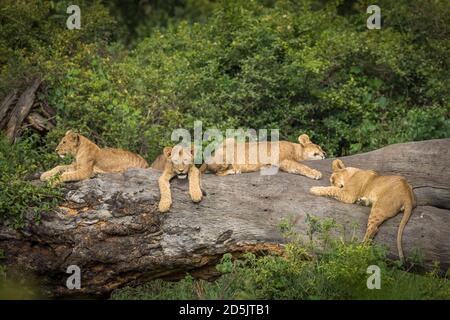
(341, 174)
(69, 144)
(311, 151)
(181, 159)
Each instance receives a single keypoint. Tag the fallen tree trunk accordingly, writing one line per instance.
(39, 123)
(5, 106)
(21, 110)
(109, 226)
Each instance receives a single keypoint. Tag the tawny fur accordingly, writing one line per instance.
(179, 163)
(159, 163)
(90, 159)
(288, 160)
(388, 195)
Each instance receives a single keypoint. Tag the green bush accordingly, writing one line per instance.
(284, 66)
(320, 268)
(20, 197)
(300, 66)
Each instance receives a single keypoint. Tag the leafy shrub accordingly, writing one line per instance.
(18, 196)
(252, 65)
(321, 268)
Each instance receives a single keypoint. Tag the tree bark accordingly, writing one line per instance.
(39, 123)
(21, 110)
(110, 227)
(5, 106)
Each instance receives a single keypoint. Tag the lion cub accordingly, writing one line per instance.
(90, 159)
(289, 155)
(180, 164)
(386, 194)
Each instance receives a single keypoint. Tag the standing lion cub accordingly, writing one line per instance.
(90, 159)
(387, 194)
(179, 162)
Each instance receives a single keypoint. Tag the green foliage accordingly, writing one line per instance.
(327, 269)
(299, 66)
(20, 198)
(34, 40)
(284, 66)
(34, 34)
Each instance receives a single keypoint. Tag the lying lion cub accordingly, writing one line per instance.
(288, 158)
(387, 194)
(90, 159)
(180, 164)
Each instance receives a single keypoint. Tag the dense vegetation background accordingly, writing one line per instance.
(139, 69)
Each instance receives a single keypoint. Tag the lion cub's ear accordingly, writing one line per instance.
(167, 151)
(304, 139)
(75, 137)
(337, 165)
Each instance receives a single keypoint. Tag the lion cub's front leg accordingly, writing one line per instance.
(164, 189)
(334, 192)
(82, 171)
(47, 175)
(195, 190)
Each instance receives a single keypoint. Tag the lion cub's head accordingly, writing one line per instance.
(181, 159)
(311, 151)
(69, 144)
(341, 173)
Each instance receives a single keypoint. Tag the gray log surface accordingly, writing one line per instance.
(109, 226)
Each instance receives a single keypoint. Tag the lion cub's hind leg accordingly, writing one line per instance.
(228, 172)
(380, 212)
(291, 166)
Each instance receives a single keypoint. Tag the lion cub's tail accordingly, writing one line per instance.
(408, 207)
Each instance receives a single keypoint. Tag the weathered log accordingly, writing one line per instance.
(109, 226)
(38, 122)
(48, 111)
(21, 110)
(5, 106)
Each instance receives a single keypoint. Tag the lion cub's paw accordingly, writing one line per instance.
(197, 196)
(45, 176)
(164, 206)
(318, 191)
(315, 175)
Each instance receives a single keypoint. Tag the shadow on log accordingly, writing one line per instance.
(109, 226)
